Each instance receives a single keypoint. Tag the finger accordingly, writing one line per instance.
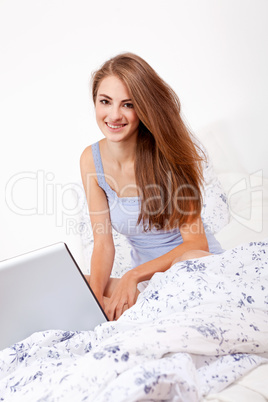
(110, 311)
(131, 301)
(125, 307)
(133, 298)
(106, 301)
(119, 310)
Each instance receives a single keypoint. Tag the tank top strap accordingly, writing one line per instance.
(98, 165)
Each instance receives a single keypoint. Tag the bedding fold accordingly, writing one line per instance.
(196, 329)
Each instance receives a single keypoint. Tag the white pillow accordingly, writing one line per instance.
(215, 215)
(215, 211)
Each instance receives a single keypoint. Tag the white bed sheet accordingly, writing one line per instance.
(251, 387)
(248, 222)
(196, 329)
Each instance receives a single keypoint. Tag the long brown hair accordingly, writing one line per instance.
(168, 164)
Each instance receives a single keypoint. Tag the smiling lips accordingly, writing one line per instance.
(118, 126)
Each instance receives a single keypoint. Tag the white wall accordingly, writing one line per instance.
(212, 52)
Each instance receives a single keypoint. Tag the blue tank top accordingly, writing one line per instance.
(124, 213)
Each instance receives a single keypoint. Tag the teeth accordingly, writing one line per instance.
(111, 126)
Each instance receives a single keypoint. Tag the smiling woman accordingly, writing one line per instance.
(144, 179)
(115, 112)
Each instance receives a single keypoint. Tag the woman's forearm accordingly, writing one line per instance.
(101, 266)
(145, 271)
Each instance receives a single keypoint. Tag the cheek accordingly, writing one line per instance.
(99, 113)
(134, 118)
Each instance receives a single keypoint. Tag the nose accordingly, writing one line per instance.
(115, 113)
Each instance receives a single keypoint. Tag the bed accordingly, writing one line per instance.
(199, 332)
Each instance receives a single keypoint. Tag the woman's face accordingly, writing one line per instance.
(115, 113)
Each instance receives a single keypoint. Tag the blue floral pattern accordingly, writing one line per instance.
(194, 330)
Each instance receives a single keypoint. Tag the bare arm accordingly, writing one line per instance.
(194, 238)
(103, 249)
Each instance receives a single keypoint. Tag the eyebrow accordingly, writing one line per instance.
(108, 97)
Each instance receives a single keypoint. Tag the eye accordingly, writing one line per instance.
(128, 105)
(104, 101)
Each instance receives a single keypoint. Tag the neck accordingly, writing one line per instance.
(121, 152)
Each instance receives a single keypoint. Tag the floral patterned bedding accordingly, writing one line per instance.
(194, 330)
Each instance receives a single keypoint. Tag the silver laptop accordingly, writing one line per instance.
(42, 290)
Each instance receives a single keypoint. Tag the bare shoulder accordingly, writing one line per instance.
(87, 161)
(98, 206)
(88, 171)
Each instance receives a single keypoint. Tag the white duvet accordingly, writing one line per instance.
(196, 329)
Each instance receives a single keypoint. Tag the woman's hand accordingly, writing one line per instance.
(123, 297)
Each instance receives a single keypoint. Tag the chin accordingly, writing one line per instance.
(113, 138)
(117, 137)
